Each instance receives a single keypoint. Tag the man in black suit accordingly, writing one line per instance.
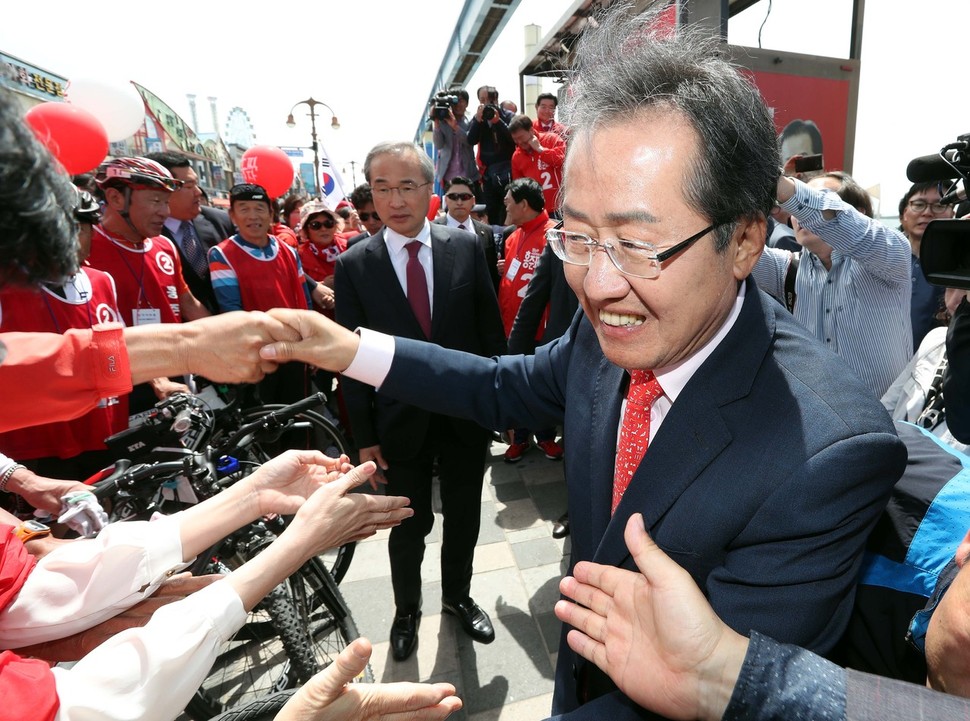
(426, 282)
(459, 200)
(193, 227)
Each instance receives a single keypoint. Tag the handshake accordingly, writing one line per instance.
(239, 347)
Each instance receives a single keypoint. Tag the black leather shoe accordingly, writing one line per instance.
(472, 618)
(560, 529)
(404, 635)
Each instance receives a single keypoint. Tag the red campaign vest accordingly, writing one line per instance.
(522, 251)
(266, 283)
(531, 165)
(147, 277)
(319, 263)
(91, 300)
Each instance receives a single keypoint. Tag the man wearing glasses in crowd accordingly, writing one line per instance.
(687, 394)
(427, 282)
(459, 201)
(918, 207)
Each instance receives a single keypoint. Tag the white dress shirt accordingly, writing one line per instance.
(399, 255)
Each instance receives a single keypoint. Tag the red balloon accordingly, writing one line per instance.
(72, 135)
(268, 166)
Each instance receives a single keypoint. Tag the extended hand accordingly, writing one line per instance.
(225, 348)
(330, 695)
(657, 619)
(282, 484)
(333, 516)
(316, 340)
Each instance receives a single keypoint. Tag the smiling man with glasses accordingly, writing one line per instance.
(758, 460)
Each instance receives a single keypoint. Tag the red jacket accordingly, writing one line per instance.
(522, 251)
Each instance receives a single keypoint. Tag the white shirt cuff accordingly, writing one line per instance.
(374, 357)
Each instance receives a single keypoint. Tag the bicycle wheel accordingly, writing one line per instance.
(324, 612)
(271, 652)
(308, 430)
(262, 709)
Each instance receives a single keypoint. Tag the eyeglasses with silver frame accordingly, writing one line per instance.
(635, 258)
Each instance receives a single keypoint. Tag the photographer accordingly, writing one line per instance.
(455, 157)
(489, 130)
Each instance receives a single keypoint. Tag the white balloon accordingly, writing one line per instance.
(117, 105)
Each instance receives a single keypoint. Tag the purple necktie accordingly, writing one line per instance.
(418, 288)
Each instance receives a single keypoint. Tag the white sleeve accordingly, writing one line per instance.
(373, 360)
(151, 673)
(85, 582)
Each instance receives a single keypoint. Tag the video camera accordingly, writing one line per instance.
(442, 103)
(945, 248)
(491, 108)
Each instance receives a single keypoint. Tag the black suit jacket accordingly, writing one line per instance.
(212, 226)
(763, 482)
(357, 238)
(487, 238)
(464, 316)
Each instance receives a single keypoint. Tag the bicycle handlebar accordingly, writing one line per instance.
(271, 421)
(126, 477)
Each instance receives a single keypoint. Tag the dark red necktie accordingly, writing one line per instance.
(418, 296)
(634, 430)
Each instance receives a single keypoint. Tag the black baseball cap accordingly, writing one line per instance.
(249, 191)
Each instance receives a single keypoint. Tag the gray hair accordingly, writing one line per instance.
(427, 167)
(627, 63)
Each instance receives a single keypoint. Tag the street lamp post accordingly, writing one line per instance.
(291, 123)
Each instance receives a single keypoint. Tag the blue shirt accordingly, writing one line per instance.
(859, 308)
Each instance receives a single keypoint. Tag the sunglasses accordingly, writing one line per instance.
(317, 224)
(459, 196)
(367, 216)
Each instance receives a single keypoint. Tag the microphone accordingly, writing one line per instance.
(933, 167)
(956, 196)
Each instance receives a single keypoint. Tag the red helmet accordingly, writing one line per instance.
(136, 173)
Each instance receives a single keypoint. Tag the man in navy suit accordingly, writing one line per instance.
(193, 227)
(427, 282)
(768, 462)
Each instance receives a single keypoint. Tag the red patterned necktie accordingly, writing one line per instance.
(418, 288)
(634, 430)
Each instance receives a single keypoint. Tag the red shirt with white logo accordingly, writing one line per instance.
(522, 251)
(544, 167)
(148, 278)
(88, 299)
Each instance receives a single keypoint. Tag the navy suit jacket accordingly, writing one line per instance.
(212, 226)
(763, 482)
(464, 315)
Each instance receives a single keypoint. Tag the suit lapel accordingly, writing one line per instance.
(382, 279)
(443, 264)
(693, 433)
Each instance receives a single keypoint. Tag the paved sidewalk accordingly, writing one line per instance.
(518, 565)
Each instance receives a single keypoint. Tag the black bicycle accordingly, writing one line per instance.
(302, 625)
(239, 439)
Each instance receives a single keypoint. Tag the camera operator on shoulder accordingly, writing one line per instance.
(454, 156)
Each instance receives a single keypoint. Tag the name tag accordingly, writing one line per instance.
(146, 316)
(513, 269)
